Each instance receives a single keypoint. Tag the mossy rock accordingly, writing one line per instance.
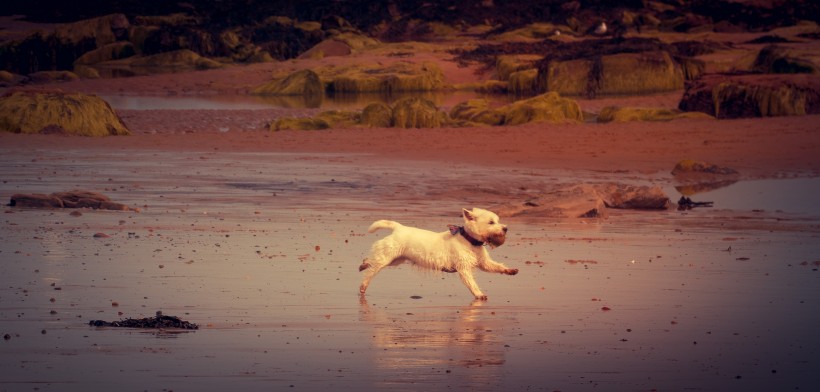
(506, 65)
(523, 82)
(534, 31)
(619, 114)
(323, 120)
(340, 118)
(549, 107)
(476, 111)
(377, 115)
(52, 76)
(400, 76)
(299, 124)
(777, 59)
(468, 109)
(103, 30)
(356, 41)
(744, 96)
(417, 113)
(178, 59)
(9, 79)
(303, 82)
(692, 166)
(58, 112)
(485, 87)
(86, 72)
(112, 51)
(621, 73)
(569, 77)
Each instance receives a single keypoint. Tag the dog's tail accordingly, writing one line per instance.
(383, 224)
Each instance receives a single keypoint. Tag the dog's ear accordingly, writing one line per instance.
(468, 215)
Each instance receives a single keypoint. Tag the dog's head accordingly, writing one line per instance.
(484, 226)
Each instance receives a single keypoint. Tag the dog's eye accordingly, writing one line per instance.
(492, 222)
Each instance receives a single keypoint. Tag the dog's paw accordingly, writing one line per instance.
(481, 297)
(511, 271)
(449, 270)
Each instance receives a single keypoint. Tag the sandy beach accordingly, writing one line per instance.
(256, 236)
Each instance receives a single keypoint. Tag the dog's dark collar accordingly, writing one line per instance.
(460, 230)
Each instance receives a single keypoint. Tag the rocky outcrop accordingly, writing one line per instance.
(406, 113)
(741, 96)
(589, 201)
(417, 113)
(549, 107)
(621, 73)
(778, 59)
(377, 115)
(304, 82)
(70, 199)
(396, 77)
(58, 112)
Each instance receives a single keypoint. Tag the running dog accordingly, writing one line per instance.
(459, 250)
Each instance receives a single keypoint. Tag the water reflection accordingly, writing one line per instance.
(792, 195)
(702, 187)
(457, 345)
(256, 102)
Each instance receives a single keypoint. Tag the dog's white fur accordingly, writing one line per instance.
(442, 251)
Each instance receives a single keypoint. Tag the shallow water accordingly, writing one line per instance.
(794, 196)
(261, 250)
(254, 102)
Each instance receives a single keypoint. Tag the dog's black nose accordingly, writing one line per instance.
(505, 229)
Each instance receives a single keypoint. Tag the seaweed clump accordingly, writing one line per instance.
(161, 321)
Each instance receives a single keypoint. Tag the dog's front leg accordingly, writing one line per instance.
(467, 277)
(489, 265)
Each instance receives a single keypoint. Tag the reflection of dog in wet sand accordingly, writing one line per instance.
(458, 250)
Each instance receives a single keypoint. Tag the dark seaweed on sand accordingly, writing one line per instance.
(160, 321)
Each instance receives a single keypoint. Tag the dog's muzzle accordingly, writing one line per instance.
(497, 239)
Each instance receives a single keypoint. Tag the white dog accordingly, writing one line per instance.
(458, 250)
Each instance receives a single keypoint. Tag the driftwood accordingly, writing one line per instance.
(160, 321)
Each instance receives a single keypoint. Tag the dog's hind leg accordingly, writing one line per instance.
(370, 270)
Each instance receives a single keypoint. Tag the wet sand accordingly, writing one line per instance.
(260, 248)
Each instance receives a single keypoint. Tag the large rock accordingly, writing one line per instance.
(688, 167)
(417, 113)
(58, 112)
(740, 96)
(108, 52)
(324, 120)
(303, 82)
(621, 73)
(778, 59)
(589, 201)
(400, 76)
(377, 115)
(549, 107)
(183, 59)
(476, 111)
